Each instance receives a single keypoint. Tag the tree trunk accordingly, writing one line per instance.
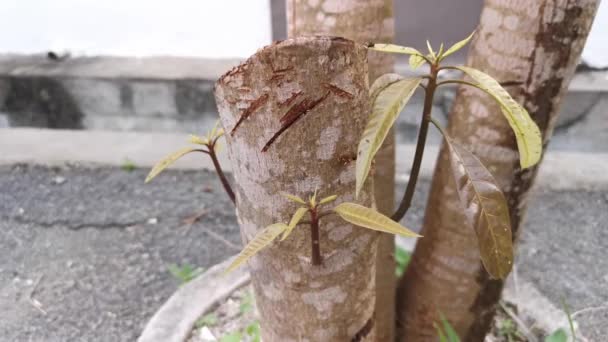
(322, 83)
(363, 21)
(535, 42)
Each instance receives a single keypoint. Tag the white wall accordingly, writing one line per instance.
(208, 28)
(596, 49)
(205, 28)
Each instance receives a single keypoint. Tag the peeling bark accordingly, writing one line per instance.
(362, 21)
(297, 300)
(538, 43)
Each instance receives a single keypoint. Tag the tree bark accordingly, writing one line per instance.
(320, 86)
(539, 44)
(363, 21)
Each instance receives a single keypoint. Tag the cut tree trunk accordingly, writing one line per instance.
(539, 44)
(302, 106)
(363, 21)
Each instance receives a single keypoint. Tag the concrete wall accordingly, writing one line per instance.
(147, 94)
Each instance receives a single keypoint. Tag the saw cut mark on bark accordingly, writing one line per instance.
(278, 74)
(364, 331)
(290, 99)
(294, 114)
(249, 110)
(338, 91)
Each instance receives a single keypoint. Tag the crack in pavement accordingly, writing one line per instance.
(72, 226)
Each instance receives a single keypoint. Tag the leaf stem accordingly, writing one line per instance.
(422, 133)
(438, 125)
(314, 238)
(319, 217)
(220, 173)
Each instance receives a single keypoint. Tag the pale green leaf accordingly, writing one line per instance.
(295, 219)
(261, 240)
(195, 139)
(170, 159)
(527, 133)
(386, 107)
(458, 45)
(293, 198)
(440, 52)
(371, 219)
(382, 82)
(431, 52)
(393, 48)
(416, 61)
(328, 199)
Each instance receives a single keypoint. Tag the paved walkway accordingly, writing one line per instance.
(92, 246)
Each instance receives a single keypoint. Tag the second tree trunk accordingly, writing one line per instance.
(363, 21)
(537, 43)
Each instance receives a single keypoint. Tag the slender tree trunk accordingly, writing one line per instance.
(363, 21)
(539, 44)
(320, 86)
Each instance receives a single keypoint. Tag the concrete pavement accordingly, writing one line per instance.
(92, 244)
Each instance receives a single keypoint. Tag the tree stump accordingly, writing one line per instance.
(293, 114)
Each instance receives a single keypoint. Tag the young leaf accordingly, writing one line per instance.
(170, 159)
(261, 240)
(431, 52)
(393, 48)
(369, 218)
(313, 199)
(295, 219)
(416, 61)
(485, 208)
(387, 106)
(440, 52)
(293, 198)
(458, 45)
(328, 199)
(529, 141)
(216, 131)
(195, 139)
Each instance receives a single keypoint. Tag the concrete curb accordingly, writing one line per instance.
(57, 147)
(174, 321)
(560, 170)
(533, 304)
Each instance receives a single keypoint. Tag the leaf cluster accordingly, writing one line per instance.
(484, 204)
